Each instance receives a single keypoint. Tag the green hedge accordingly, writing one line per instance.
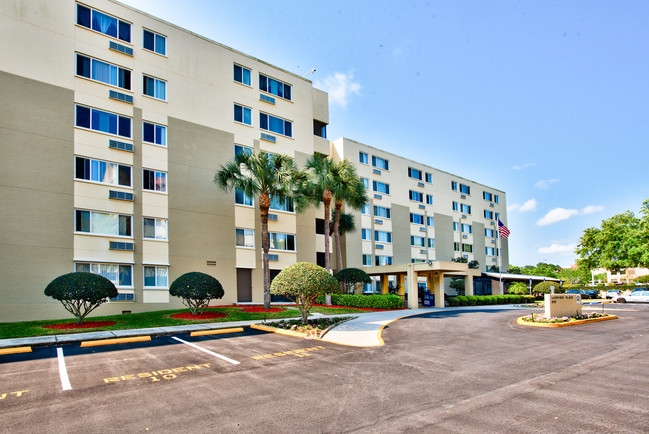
(602, 287)
(473, 300)
(365, 301)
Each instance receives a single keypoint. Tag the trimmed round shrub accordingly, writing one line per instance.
(80, 293)
(196, 290)
(302, 283)
(464, 301)
(453, 301)
(500, 299)
(352, 276)
(544, 287)
(472, 300)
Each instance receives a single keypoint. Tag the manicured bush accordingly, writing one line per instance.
(463, 300)
(302, 283)
(196, 290)
(365, 301)
(642, 279)
(500, 299)
(80, 293)
(453, 301)
(544, 287)
(528, 299)
(472, 300)
(351, 276)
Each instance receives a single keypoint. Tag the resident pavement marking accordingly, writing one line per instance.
(63, 372)
(227, 359)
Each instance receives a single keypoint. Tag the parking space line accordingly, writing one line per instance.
(63, 371)
(15, 350)
(115, 341)
(216, 332)
(227, 359)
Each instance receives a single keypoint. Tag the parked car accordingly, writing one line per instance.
(592, 293)
(581, 292)
(634, 297)
(612, 293)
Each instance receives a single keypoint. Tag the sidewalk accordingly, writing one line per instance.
(363, 331)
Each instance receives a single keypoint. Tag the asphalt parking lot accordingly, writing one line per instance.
(455, 371)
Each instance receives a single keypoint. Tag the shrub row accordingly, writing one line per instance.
(602, 287)
(473, 300)
(369, 301)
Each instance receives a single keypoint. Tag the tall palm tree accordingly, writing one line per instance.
(262, 175)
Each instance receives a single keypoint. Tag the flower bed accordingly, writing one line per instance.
(85, 325)
(314, 329)
(204, 315)
(541, 320)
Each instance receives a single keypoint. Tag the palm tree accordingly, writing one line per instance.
(262, 175)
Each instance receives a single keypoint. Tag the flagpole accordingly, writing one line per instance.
(500, 263)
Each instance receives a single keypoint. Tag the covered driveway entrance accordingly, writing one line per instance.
(408, 276)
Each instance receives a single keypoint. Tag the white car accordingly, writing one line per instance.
(634, 297)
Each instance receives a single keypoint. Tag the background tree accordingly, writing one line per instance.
(518, 288)
(540, 269)
(302, 283)
(351, 276)
(574, 276)
(457, 284)
(81, 293)
(544, 287)
(261, 175)
(196, 289)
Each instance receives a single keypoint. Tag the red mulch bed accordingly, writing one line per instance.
(204, 315)
(262, 310)
(85, 325)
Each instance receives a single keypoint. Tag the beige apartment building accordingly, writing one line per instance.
(114, 124)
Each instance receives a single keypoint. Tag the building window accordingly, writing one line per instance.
(281, 204)
(456, 247)
(380, 163)
(417, 241)
(156, 277)
(367, 260)
(381, 211)
(102, 23)
(496, 198)
(244, 238)
(456, 206)
(279, 241)
(362, 157)
(488, 214)
(465, 208)
(275, 87)
(103, 223)
(417, 219)
(154, 87)
(430, 221)
(490, 251)
(429, 199)
(453, 185)
(467, 229)
(467, 248)
(489, 233)
(238, 149)
(319, 129)
(365, 209)
(102, 121)
(154, 180)
(241, 198)
(154, 133)
(365, 234)
(242, 114)
(383, 260)
(120, 275)
(416, 196)
(366, 183)
(154, 229)
(383, 236)
(241, 75)
(414, 173)
(103, 72)
(465, 189)
(456, 226)
(496, 216)
(102, 171)
(487, 196)
(429, 178)
(431, 243)
(381, 187)
(154, 42)
(276, 125)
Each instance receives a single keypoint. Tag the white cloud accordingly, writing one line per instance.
(340, 87)
(592, 209)
(523, 166)
(557, 248)
(544, 184)
(530, 205)
(556, 215)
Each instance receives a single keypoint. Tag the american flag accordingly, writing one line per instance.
(502, 229)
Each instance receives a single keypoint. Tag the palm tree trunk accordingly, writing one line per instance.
(326, 199)
(339, 255)
(264, 205)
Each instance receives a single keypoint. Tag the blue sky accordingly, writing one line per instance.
(546, 100)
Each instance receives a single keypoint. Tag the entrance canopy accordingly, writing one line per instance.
(433, 271)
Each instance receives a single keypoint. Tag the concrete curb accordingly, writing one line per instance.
(522, 322)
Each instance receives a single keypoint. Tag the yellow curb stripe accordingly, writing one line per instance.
(217, 332)
(15, 350)
(522, 322)
(115, 341)
(280, 331)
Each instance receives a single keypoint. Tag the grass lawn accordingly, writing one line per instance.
(156, 319)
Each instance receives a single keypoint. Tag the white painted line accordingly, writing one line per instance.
(63, 372)
(234, 362)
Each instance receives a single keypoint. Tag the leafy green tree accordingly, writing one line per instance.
(642, 279)
(574, 277)
(458, 285)
(518, 288)
(622, 241)
(474, 264)
(261, 175)
(351, 276)
(540, 269)
(80, 293)
(196, 289)
(302, 283)
(544, 287)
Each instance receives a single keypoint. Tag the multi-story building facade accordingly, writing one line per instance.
(114, 124)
